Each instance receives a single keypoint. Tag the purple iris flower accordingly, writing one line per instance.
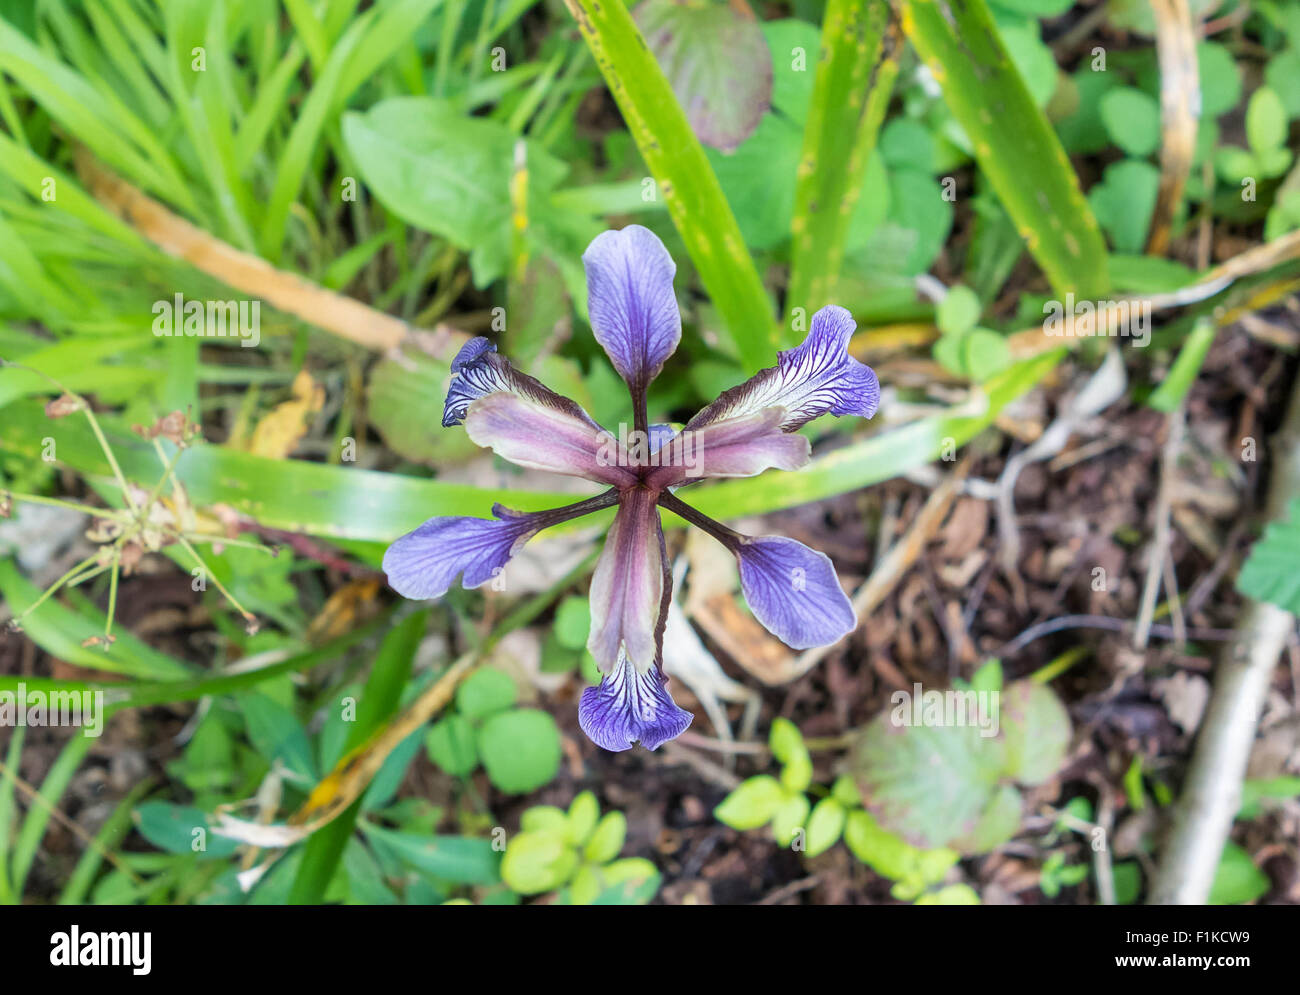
(790, 588)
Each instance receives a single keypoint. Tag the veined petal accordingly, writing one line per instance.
(732, 447)
(546, 438)
(630, 301)
(627, 586)
(817, 378)
(793, 591)
(629, 707)
(424, 563)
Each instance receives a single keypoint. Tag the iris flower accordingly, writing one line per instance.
(790, 588)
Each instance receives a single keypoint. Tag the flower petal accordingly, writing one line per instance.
(627, 586)
(546, 438)
(629, 707)
(794, 592)
(732, 447)
(630, 301)
(425, 563)
(817, 378)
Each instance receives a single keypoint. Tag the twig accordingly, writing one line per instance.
(1159, 551)
(1211, 794)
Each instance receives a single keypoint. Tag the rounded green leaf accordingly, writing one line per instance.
(953, 894)
(450, 744)
(607, 840)
(1036, 728)
(958, 311)
(486, 691)
(573, 622)
(520, 749)
(538, 862)
(1265, 120)
(541, 818)
(789, 818)
(1220, 79)
(1132, 119)
(985, 354)
(582, 817)
(825, 825)
(845, 791)
(752, 804)
(785, 740)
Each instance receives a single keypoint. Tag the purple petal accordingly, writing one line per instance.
(794, 592)
(817, 378)
(425, 563)
(546, 438)
(629, 707)
(630, 301)
(627, 586)
(731, 447)
(659, 434)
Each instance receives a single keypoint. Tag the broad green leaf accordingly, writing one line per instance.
(825, 825)
(891, 857)
(607, 839)
(1266, 124)
(752, 804)
(996, 824)
(450, 858)
(789, 818)
(1132, 120)
(450, 745)
(958, 311)
(520, 749)
(486, 692)
(1220, 79)
(1124, 201)
(1269, 573)
(1036, 729)
(277, 735)
(581, 819)
(717, 62)
(573, 622)
(1237, 879)
(181, 829)
(538, 861)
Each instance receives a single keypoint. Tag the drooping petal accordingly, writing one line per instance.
(425, 563)
(793, 591)
(732, 447)
(546, 438)
(817, 378)
(628, 707)
(627, 586)
(630, 301)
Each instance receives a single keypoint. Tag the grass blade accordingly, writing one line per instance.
(1014, 144)
(855, 76)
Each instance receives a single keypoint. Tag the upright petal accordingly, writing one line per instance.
(629, 707)
(547, 438)
(817, 378)
(627, 586)
(630, 301)
(793, 591)
(732, 447)
(425, 563)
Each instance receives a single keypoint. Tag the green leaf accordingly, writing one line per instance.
(892, 857)
(544, 818)
(1254, 790)
(1283, 76)
(1125, 200)
(789, 818)
(984, 354)
(1237, 880)
(918, 204)
(825, 825)
(851, 90)
(717, 63)
(785, 740)
(450, 744)
(1132, 119)
(631, 881)
(1220, 79)
(485, 692)
(1185, 369)
(607, 839)
(582, 816)
(573, 622)
(1015, 147)
(695, 200)
(1037, 731)
(277, 734)
(845, 791)
(1269, 573)
(958, 311)
(1266, 125)
(988, 678)
(752, 804)
(449, 858)
(520, 749)
(928, 783)
(953, 894)
(396, 388)
(997, 823)
(181, 829)
(538, 861)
